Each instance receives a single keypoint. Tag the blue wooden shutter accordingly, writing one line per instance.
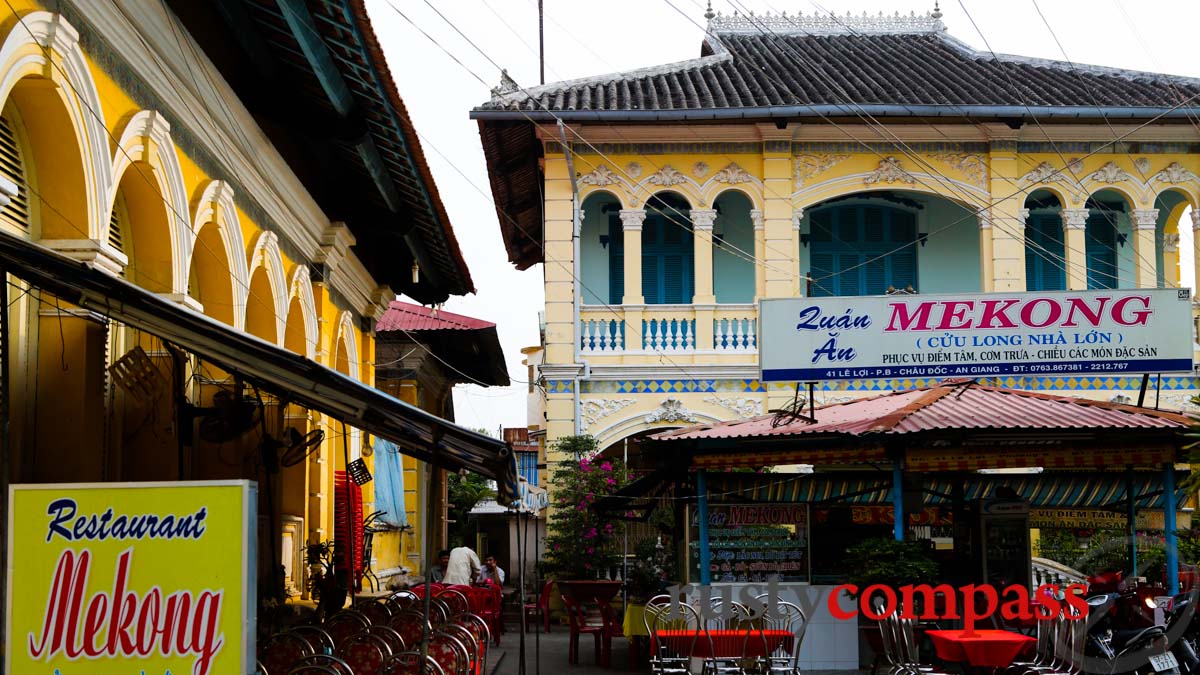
(1044, 253)
(821, 266)
(1101, 250)
(616, 260)
(902, 262)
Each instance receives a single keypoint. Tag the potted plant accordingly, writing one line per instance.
(894, 564)
(327, 584)
(581, 542)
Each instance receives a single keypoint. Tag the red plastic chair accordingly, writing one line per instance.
(490, 611)
(582, 624)
(317, 662)
(344, 624)
(542, 607)
(483, 636)
(409, 663)
(376, 611)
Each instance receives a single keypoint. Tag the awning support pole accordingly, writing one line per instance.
(5, 451)
(1131, 519)
(1169, 528)
(702, 516)
(430, 529)
(898, 500)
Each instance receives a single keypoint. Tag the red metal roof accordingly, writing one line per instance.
(948, 406)
(410, 317)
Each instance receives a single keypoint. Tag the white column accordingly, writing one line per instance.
(702, 255)
(760, 253)
(631, 226)
(1075, 247)
(1145, 257)
(797, 216)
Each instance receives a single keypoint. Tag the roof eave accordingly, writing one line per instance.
(973, 112)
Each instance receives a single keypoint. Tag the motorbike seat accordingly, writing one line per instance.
(1133, 637)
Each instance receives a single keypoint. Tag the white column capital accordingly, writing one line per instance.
(1074, 219)
(985, 220)
(579, 216)
(1023, 214)
(756, 217)
(631, 219)
(1145, 219)
(703, 219)
(797, 216)
(1195, 219)
(96, 253)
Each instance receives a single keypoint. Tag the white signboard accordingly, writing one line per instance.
(976, 335)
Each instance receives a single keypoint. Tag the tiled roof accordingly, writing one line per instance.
(760, 65)
(947, 407)
(409, 317)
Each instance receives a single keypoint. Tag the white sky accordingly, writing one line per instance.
(589, 38)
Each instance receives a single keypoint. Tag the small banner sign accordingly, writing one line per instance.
(976, 335)
(129, 578)
(1097, 519)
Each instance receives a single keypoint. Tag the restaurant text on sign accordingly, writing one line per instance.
(1147, 330)
(155, 577)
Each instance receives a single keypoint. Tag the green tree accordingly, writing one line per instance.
(581, 541)
(463, 492)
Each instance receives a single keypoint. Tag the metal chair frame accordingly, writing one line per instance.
(666, 658)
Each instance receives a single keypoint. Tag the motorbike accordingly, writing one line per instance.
(1121, 626)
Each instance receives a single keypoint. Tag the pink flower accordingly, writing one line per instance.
(610, 481)
(607, 466)
(590, 551)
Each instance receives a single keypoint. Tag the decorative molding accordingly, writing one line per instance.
(1174, 173)
(671, 410)
(797, 216)
(703, 219)
(631, 219)
(808, 166)
(1109, 173)
(889, 171)
(974, 166)
(822, 23)
(634, 170)
(744, 408)
(97, 254)
(666, 176)
(700, 169)
(1195, 219)
(601, 176)
(1145, 219)
(985, 220)
(1045, 173)
(756, 217)
(594, 410)
(1170, 242)
(1074, 219)
(1142, 164)
(733, 174)
(1023, 214)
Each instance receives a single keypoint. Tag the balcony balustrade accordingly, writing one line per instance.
(673, 329)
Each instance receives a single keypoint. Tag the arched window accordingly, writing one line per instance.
(1045, 247)
(862, 249)
(733, 249)
(12, 165)
(667, 266)
(1101, 237)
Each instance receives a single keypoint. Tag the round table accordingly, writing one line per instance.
(980, 648)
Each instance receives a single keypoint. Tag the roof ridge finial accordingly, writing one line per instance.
(937, 11)
(708, 13)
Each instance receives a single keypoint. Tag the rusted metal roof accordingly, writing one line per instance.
(946, 407)
(409, 317)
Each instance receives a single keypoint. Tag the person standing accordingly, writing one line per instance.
(491, 571)
(462, 568)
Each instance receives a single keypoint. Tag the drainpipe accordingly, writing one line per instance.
(576, 227)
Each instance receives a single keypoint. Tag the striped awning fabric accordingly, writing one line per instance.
(1052, 490)
(743, 458)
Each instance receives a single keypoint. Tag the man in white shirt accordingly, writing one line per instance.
(462, 568)
(491, 571)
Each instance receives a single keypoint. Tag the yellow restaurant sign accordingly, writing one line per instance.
(131, 578)
(1097, 519)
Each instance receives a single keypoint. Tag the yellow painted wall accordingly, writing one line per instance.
(73, 424)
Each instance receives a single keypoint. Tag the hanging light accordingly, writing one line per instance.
(416, 272)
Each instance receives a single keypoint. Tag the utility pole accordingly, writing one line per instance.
(541, 46)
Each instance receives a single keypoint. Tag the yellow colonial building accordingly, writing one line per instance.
(817, 156)
(253, 165)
